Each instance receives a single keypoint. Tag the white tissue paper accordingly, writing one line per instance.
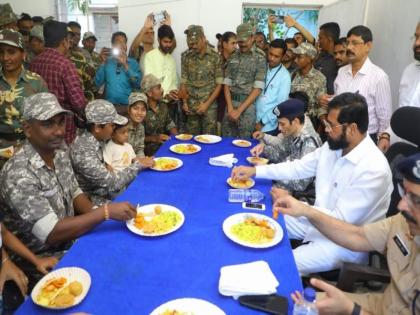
(254, 278)
(226, 160)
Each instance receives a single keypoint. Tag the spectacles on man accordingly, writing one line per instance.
(413, 200)
(354, 43)
(329, 127)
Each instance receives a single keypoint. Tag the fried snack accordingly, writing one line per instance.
(257, 160)
(240, 183)
(165, 164)
(54, 294)
(158, 209)
(203, 139)
(75, 288)
(243, 143)
(275, 214)
(185, 148)
(63, 300)
(254, 230)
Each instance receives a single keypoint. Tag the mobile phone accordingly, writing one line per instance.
(253, 206)
(159, 17)
(279, 19)
(12, 297)
(115, 51)
(272, 303)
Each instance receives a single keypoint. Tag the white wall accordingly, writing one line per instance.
(42, 8)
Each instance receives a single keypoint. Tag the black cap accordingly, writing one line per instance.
(410, 168)
(291, 108)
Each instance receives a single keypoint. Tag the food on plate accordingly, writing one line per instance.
(247, 183)
(7, 153)
(54, 293)
(165, 164)
(257, 160)
(185, 148)
(203, 139)
(242, 143)
(184, 136)
(253, 230)
(158, 222)
(175, 312)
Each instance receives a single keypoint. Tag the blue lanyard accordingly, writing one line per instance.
(272, 78)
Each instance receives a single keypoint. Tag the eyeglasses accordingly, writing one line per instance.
(329, 127)
(413, 200)
(354, 43)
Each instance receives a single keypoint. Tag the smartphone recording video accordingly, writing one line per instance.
(159, 17)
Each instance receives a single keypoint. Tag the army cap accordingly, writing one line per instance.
(305, 49)
(194, 33)
(149, 81)
(42, 106)
(290, 108)
(137, 97)
(409, 167)
(88, 35)
(11, 38)
(38, 32)
(244, 31)
(6, 14)
(103, 112)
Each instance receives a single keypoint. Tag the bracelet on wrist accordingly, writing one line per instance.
(106, 212)
(356, 309)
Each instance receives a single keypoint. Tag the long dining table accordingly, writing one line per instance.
(132, 274)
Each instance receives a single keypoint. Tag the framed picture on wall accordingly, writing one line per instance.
(258, 15)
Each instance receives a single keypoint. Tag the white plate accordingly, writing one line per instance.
(209, 139)
(197, 147)
(237, 187)
(190, 306)
(240, 217)
(241, 143)
(71, 274)
(184, 137)
(261, 161)
(150, 209)
(169, 158)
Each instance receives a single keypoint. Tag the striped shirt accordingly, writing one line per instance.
(373, 83)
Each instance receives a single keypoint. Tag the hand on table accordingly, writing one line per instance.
(242, 172)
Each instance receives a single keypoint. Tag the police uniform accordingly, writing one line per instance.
(87, 159)
(33, 195)
(201, 74)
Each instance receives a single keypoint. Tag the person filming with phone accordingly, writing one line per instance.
(119, 73)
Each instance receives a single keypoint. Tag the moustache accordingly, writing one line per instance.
(349, 53)
(408, 217)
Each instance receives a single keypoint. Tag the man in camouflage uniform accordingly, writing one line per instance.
(16, 84)
(297, 138)
(244, 80)
(158, 124)
(83, 63)
(39, 192)
(136, 132)
(8, 19)
(86, 154)
(89, 43)
(36, 43)
(202, 77)
(309, 80)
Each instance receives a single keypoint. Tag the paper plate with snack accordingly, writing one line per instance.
(256, 160)
(241, 184)
(62, 288)
(253, 230)
(207, 139)
(156, 220)
(242, 143)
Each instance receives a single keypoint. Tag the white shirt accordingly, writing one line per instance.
(162, 66)
(409, 92)
(119, 156)
(373, 83)
(355, 188)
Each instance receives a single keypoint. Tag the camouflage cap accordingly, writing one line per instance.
(103, 112)
(42, 106)
(6, 14)
(88, 35)
(194, 33)
(149, 81)
(305, 49)
(38, 32)
(137, 97)
(244, 31)
(11, 38)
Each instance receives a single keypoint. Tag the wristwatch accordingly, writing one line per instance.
(356, 309)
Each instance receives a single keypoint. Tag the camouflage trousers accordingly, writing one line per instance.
(244, 127)
(203, 124)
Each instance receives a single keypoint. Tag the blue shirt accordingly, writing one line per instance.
(277, 89)
(118, 82)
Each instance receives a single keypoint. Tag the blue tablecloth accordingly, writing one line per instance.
(133, 274)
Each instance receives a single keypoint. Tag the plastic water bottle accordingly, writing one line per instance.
(307, 307)
(248, 195)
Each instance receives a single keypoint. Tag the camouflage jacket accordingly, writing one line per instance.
(313, 84)
(93, 58)
(156, 123)
(136, 138)
(35, 197)
(245, 71)
(94, 178)
(280, 149)
(201, 74)
(86, 73)
(11, 101)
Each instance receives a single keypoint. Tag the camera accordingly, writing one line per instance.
(279, 19)
(159, 17)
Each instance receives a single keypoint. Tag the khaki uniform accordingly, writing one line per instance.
(244, 72)
(405, 270)
(201, 75)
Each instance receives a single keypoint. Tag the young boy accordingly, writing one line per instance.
(137, 109)
(118, 153)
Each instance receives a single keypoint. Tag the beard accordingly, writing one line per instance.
(340, 143)
(416, 51)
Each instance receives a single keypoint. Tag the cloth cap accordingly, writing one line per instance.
(42, 106)
(244, 31)
(305, 49)
(103, 112)
(290, 108)
(12, 38)
(410, 168)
